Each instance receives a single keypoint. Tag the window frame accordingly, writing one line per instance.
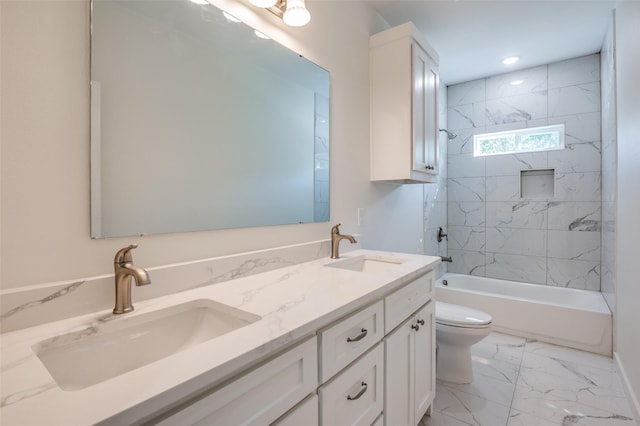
(518, 135)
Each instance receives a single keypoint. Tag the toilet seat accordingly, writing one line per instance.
(461, 316)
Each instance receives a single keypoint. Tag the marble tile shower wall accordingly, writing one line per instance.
(493, 231)
(609, 169)
(435, 194)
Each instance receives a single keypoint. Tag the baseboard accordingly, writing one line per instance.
(628, 390)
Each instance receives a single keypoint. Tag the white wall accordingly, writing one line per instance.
(628, 114)
(45, 145)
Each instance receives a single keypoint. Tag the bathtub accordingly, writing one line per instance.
(578, 319)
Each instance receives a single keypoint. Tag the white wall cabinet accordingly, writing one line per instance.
(404, 106)
(410, 369)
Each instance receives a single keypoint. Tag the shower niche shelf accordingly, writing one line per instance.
(537, 183)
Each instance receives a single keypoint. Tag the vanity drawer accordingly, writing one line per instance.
(354, 397)
(347, 340)
(306, 413)
(260, 396)
(398, 306)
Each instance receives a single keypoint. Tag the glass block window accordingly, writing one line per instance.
(533, 139)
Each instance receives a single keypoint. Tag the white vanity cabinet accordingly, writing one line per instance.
(410, 369)
(404, 106)
(355, 396)
(257, 398)
(374, 366)
(305, 413)
(401, 367)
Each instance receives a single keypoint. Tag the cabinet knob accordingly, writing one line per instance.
(415, 327)
(359, 394)
(430, 167)
(420, 321)
(363, 332)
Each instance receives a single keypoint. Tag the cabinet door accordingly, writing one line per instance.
(269, 390)
(425, 112)
(306, 413)
(425, 343)
(398, 398)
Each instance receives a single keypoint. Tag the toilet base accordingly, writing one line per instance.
(453, 364)
(453, 359)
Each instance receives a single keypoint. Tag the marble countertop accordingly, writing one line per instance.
(293, 303)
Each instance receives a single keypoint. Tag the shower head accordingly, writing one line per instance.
(450, 135)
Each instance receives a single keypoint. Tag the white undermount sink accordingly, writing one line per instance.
(368, 263)
(123, 343)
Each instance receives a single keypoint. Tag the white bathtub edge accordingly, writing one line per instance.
(563, 325)
(596, 349)
(628, 390)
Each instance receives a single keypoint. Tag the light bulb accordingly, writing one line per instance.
(296, 14)
(510, 60)
(263, 3)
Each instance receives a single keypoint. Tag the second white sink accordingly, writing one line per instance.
(80, 359)
(368, 263)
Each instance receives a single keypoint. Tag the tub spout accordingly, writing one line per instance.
(446, 258)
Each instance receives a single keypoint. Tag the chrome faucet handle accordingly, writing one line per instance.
(124, 255)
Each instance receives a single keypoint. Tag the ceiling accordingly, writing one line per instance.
(473, 36)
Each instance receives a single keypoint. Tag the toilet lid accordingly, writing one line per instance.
(460, 316)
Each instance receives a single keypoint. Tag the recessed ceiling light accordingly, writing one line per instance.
(203, 2)
(510, 60)
(517, 82)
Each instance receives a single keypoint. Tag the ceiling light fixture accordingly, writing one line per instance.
(517, 82)
(200, 2)
(293, 12)
(510, 60)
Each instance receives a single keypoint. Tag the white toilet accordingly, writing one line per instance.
(457, 328)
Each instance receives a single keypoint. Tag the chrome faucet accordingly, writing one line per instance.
(125, 273)
(336, 236)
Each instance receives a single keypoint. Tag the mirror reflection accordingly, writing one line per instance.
(199, 124)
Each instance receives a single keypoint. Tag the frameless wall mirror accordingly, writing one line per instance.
(197, 123)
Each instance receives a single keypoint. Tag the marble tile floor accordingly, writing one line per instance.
(519, 382)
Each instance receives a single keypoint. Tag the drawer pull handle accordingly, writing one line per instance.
(362, 391)
(359, 337)
(420, 321)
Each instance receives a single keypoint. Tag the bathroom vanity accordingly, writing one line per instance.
(304, 344)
